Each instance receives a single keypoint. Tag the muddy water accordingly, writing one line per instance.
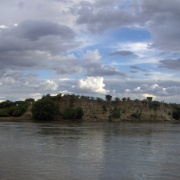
(35, 151)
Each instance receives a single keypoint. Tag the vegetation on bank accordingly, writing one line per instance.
(14, 109)
(49, 108)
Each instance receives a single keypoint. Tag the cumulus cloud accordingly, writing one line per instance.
(93, 84)
(16, 85)
(154, 89)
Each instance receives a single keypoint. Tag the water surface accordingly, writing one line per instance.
(35, 151)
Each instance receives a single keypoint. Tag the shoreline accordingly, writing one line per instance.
(23, 119)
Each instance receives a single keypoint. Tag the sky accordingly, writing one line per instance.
(125, 48)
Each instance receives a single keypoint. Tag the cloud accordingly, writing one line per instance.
(33, 43)
(92, 56)
(157, 19)
(36, 29)
(138, 68)
(149, 89)
(67, 65)
(121, 53)
(16, 85)
(173, 64)
(92, 84)
(102, 15)
(164, 90)
(97, 69)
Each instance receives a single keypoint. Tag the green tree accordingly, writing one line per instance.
(117, 99)
(124, 99)
(44, 109)
(108, 97)
(149, 99)
(128, 98)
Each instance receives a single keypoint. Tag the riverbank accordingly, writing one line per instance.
(96, 110)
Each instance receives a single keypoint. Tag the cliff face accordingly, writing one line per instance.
(104, 111)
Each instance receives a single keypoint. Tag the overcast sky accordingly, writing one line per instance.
(125, 48)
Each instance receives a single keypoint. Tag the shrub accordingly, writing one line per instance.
(44, 109)
(73, 113)
(104, 108)
(3, 113)
(67, 114)
(136, 115)
(176, 114)
(116, 113)
(17, 112)
(154, 105)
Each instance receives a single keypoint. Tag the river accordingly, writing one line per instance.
(89, 151)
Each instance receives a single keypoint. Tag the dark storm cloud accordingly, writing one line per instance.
(173, 64)
(33, 43)
(121, 53)
(34, 30)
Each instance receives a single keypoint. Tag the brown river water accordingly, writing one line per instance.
(89, 151)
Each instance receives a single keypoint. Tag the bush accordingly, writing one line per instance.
(116, 113)
(104, 108)
(73, 113)
(17, 112)
(154, 105)
(136, 115)
(44, 109)
(3, 113)
(176, 114)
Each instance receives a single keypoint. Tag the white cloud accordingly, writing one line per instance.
(149, 95)
(50, 85)
(3, 27)
(93, 84)
(92, 56)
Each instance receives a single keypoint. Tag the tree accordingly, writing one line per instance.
(44, 109)
(124, 99)
(29, 100)
(117, 99)
(128, 98)
(108, 97)
(149, 99)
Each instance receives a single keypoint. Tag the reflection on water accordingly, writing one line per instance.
(89, 151)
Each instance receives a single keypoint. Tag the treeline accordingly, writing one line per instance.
(14, 109)
(47, 108)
